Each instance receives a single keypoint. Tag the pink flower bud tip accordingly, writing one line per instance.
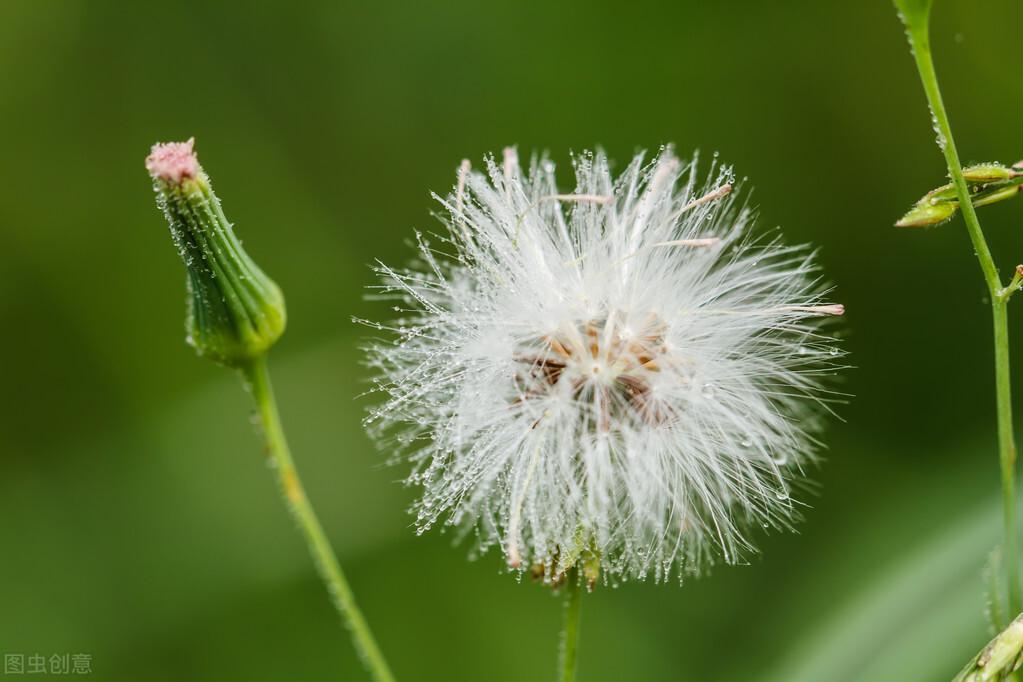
(173, 161)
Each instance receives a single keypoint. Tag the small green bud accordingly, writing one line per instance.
(943, 193)
(988, 172)
(997, 195)
(235, 312)
(925, 214)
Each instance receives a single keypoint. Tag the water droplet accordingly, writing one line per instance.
(780, 459)
(938, 136)
(708, 390)
(782, 494)
(833, 351)
(746, 442)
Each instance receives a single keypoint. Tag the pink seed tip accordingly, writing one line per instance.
(837, 309)
(173, 161)
(829, 309)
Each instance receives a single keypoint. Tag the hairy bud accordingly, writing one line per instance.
(235, 312)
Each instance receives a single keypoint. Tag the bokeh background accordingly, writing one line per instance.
(138, 521)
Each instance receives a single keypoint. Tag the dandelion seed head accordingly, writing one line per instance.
(622, 372)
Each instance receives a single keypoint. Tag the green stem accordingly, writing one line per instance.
(920, 39)
(570, 627)
(1007, 449)
(258, 379)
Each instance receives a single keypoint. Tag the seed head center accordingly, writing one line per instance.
(609, 361)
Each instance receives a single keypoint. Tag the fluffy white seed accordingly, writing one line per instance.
(620, 372)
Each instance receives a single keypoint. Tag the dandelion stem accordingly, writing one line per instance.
(570, 627)
(918, 31)
(258, 379)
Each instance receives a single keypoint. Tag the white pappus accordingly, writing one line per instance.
(621, 375)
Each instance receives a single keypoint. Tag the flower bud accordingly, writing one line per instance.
(235, 312)
(996, 195)
(943, 193)
(925, 214)
(988, 172)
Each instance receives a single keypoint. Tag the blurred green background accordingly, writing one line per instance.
(138, 522)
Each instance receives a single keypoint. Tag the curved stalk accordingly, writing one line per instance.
(918, 31)
(258, 380)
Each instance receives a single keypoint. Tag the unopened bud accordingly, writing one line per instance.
(997, 195)
(943, 193)
(235, 312)
(988, 172)
(925, 214)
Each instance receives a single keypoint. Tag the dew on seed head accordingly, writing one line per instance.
(500, 379)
